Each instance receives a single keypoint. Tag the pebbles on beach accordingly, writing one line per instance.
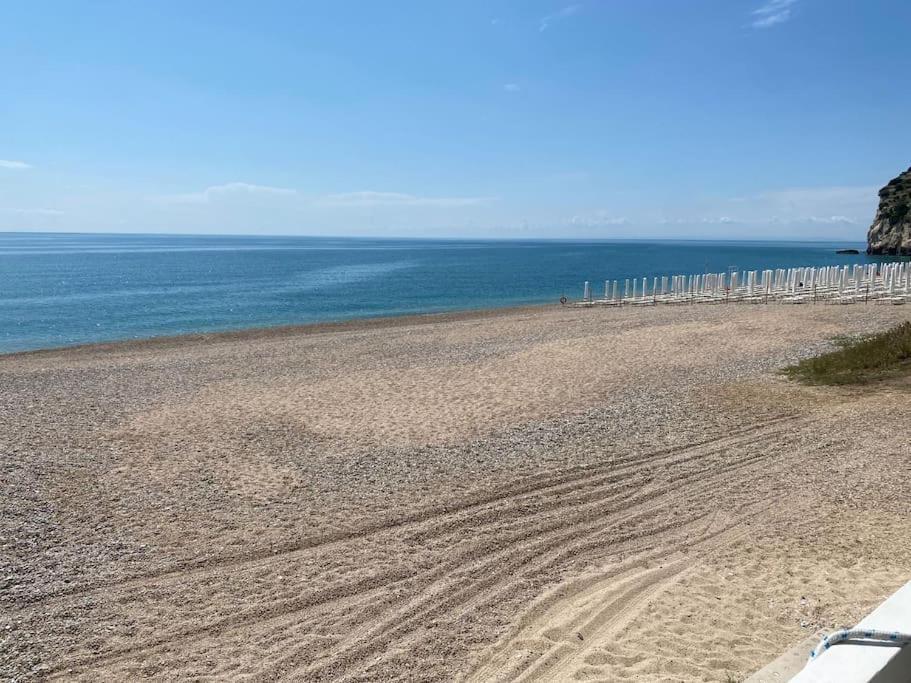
(388, 501)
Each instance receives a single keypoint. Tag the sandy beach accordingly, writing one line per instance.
(531, 494)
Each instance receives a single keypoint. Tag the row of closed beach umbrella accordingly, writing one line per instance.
(872, 282)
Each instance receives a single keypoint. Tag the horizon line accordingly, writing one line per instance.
(435, 238)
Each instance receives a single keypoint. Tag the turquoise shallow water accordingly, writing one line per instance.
(63, 289)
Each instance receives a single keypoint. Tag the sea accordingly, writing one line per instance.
(66, 289)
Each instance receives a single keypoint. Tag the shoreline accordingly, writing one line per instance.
(279, 331)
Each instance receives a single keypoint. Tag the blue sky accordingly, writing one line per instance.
(609, 118)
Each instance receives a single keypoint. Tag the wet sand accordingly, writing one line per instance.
(533, 494)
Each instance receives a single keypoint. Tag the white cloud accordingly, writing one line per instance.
(831, 220)
(835, 207)
(772, 12)
(512, 87)
(371, 198)
(216, 192)
(598, 219)
(6, 163)
(814, 220)
(813, 212)
(700, 220)
(562, 13)
(34, 212)
(236, 195)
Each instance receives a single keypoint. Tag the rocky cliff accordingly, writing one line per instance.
(891, 229)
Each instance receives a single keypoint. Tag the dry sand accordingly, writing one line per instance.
(537, 494)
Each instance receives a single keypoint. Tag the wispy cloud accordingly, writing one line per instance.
(562, 13)
(772, 12)
(372, 198)
(834, 206)
(598, 219)
(512, 87)
(6, 163)
(216, 192)
(832, 220)
(797, 210)
(34, 212)
(699, 220)
(237, 191)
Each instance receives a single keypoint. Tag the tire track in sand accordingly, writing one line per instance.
(533, 484)
(569, 526)
(372, 640)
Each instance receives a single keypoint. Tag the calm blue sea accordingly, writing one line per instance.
(63, 289)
